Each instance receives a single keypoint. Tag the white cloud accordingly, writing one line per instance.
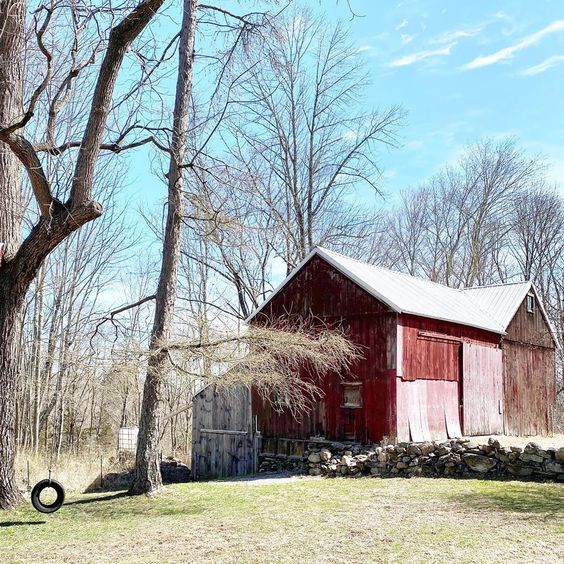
(364, 48)
(403, 24)
(545, 65)
(406, 38)
(420, 56)
(508, 52)
(450, 36)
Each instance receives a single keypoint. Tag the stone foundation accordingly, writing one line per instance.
(459, 458)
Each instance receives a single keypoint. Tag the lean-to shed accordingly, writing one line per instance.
(438, 362)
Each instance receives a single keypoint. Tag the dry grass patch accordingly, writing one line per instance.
(352, 520)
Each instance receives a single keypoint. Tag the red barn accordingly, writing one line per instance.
(438, 362)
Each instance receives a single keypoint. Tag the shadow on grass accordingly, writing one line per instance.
(20, 523)
(132, 505)
(97, 499)
(515, 498)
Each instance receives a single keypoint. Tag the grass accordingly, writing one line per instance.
(340, 520)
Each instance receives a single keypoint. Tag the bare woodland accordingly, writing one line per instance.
(255, 164)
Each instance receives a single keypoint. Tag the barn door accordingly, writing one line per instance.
(482, 390)
(225, 441)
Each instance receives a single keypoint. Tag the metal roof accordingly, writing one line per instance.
(403, 293)
(501, 301)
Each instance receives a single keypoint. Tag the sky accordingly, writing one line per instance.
(462, 70)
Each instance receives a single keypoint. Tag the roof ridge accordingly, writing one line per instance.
(399, 272)
(496, 285)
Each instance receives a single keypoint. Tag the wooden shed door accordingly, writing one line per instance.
(482, 390)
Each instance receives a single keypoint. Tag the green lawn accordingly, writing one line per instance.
(340, 520)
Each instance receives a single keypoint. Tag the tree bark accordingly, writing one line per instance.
(12, 20)
(147, 467)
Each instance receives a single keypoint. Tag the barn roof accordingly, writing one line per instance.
(503, 300)
(490, 307)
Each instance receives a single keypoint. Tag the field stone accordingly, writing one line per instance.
(325, 454)
(347, 460)
(314, 457)
(532, 448)
(554, 467)
(479, 463)
(559, 455)
(517, 470)
(531, 458)
(426, 448)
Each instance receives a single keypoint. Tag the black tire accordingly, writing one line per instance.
(36, 496)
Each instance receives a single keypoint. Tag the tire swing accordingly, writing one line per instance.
(40, 487)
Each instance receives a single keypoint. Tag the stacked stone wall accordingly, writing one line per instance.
(457, 458)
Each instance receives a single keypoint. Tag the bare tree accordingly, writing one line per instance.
(147, 471)
(299, 135)
(57, 220)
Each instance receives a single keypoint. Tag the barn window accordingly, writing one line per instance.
(530, 303)
(352, 394)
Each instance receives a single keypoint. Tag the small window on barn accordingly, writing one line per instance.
(352, 394)
(530, 303)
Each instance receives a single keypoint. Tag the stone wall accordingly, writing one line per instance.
(453, 458)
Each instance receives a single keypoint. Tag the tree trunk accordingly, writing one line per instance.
(9, 326)
(12, 18)
(147, 467)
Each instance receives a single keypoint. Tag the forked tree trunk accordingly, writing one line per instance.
(21, 262)
(147, 466)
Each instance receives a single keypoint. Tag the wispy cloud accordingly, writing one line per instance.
(508, 52)
(450, 36)
(404, 23)
(420, 56)
(545, 65)
(364, 48)
(406, 38)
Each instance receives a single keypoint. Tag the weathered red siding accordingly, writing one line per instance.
(482, 390)
(529, 377)
(320, 291)
(428, 351)
(430, 376)
(420, 378)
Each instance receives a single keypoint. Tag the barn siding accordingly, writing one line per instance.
(529, 328)
(529, 389)
(427, 410)
(223, 439)
(482, 390)
(529, 374)
(428, 356)
(321, 292)
(429, 377)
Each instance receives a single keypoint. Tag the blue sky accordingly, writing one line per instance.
(461, 70)
(464, 71)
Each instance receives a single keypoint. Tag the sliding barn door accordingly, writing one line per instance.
(482, 390)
